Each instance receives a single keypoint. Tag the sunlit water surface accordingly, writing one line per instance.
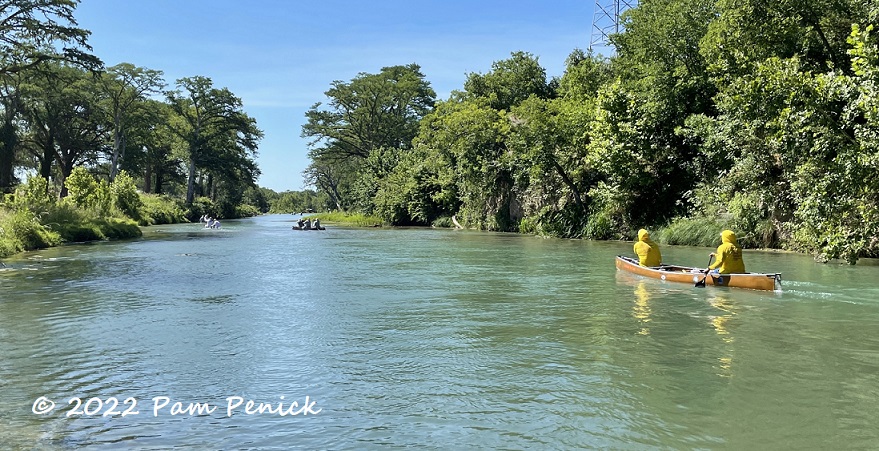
(426, 339)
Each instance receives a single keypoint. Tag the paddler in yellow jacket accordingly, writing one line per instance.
(646, 250)
(728, 256)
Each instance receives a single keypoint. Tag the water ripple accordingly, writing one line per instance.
(428, 339)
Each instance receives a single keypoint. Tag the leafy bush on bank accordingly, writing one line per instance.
(33, 218)
(246, 211)
(20, 230)
(162, 209)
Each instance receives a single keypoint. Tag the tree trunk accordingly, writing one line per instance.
(578, 198)
(46, 159)
(209, 188)
(66, 167)
(160, 172)
(190, 183)
(118, 148)
(148, 179)
(7, 156)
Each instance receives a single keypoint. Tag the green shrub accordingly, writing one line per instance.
(20, 230)
(7, 248)
(63, 213)
(246, 211)
(565, 223)
(528, 225)
(601, 226)
(35, 195)
(126, 198)
(161, 209)
(201, 206)
(96, 229)
(80, 232)
(607, 218)
(76, 225)
(443, 222)
(87, 193)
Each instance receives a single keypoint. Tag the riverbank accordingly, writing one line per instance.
(21, 230)
(356, 220)
(34, 218)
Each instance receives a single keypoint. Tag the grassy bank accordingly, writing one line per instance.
(360, 220)
(357, 219)
(22, 230)
(35, 218)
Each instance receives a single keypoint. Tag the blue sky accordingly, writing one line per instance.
(280, 56)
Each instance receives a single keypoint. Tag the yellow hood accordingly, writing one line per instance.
(643, 235)
(728, 236)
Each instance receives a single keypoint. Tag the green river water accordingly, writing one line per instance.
(425, 339)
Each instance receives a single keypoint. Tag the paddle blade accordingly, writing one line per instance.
(701, 283)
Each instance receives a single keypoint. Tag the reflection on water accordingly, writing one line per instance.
(722, 324)
(641, 310)
(429, 339)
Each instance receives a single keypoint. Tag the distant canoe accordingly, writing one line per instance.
(301, 228)
(686, 274)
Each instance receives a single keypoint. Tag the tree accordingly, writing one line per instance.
(126, 87)
(510, 82)
(661, 80)
(747, 32)
(12, 107)
(213, 122)
(367, 121)
(153, 149)
(66, 125)
(29, 32)
(462, 162)
(550, 141)
(470, 137)
(371, 111)
(332, 179)
(30, 28)
(790, 136)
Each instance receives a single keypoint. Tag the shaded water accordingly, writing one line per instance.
(432, 339)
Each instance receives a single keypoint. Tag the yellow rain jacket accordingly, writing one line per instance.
(729, 255)
(646, 250)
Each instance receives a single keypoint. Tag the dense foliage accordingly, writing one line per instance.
(110, 153)
(62, 109)
(757, 116)
(307, 201)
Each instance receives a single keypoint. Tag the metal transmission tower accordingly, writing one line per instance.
(606, 19)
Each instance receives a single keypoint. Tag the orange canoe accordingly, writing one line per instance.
(686, 274)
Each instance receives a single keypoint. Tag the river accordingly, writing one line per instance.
(260, 337)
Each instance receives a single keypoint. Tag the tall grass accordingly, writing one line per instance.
(443, 222)
(357, 219)
(20, 230)
(698, 231)
(76, 225)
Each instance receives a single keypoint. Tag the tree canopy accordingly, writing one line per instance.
(753, 115)
(63, 110)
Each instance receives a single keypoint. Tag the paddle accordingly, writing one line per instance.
(701, 283)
